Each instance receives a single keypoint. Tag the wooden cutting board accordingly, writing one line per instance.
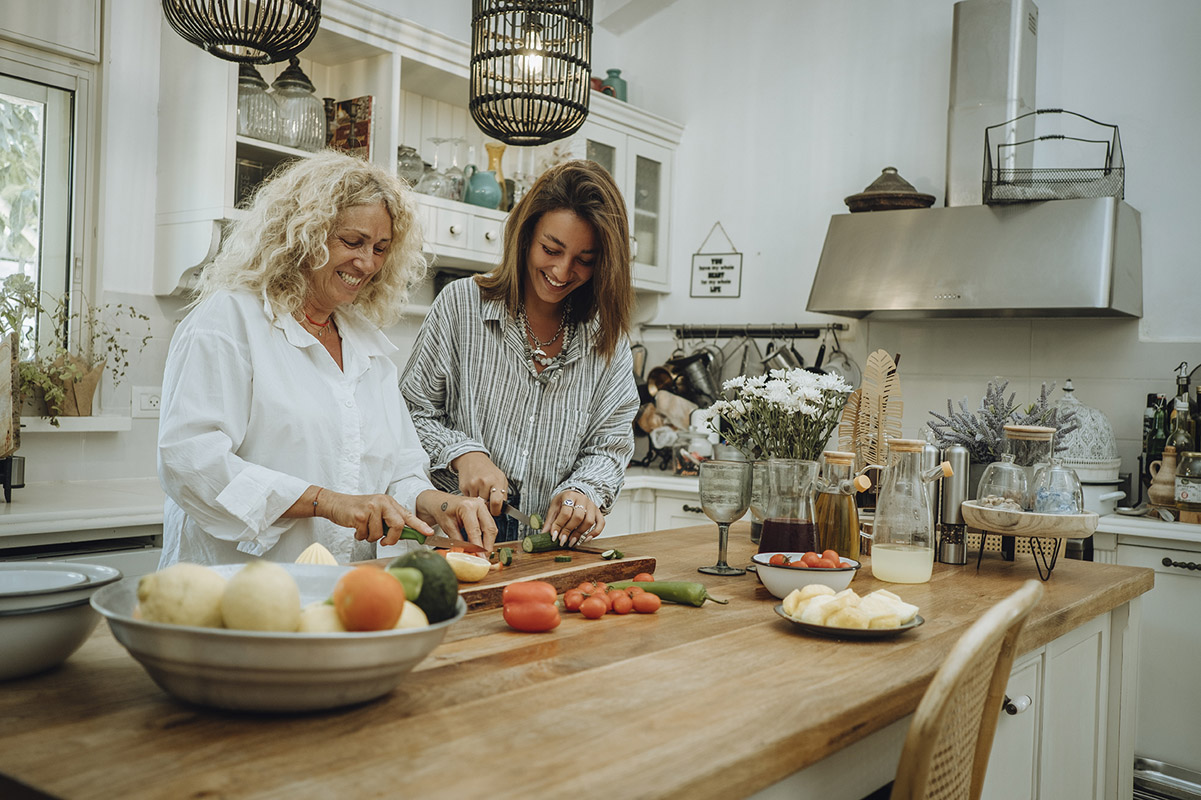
(562, 575)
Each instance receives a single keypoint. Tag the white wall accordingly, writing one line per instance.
(791, 105)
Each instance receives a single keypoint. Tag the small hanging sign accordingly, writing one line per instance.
(717, 274)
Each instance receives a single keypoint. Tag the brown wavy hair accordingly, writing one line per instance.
(283, 235)
(587, 190)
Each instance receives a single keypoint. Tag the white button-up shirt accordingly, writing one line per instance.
(255, 411)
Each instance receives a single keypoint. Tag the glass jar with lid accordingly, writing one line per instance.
(1188, 486)
(301, 112)
(258, 114)
(1056, 490)
(409, 164)
(834, 509)
(1032, 448)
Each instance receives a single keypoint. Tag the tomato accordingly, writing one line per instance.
(593, 607)
(826, 563)
(798, 563)
(531, 616)
(810, 559)
(647, 603)
(605, 598)
(602, 587)
(642, 577)
(540, 591)
(622, 604)
(779, 559)
(572, 599)
(633, 590)
(587, 587)
(832, 555)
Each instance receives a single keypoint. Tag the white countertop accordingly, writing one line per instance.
(648, 478)
(56, 506)
(1149, 528)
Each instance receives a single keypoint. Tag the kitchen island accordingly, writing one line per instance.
(714, 702)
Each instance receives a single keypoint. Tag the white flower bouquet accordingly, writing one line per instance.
(784, 414)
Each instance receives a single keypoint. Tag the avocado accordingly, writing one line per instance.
(439, 586)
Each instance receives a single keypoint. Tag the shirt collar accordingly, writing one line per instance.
(365, 336)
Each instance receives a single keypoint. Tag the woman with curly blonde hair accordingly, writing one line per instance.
(282, 423)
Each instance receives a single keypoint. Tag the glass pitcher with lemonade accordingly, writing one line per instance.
(903, 534)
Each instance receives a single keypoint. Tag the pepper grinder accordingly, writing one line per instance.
(952, 538)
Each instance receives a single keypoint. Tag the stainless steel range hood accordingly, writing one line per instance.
(1060, 258)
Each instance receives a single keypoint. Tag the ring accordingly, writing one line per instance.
(494, 489)
(569, 502)
(590, 530)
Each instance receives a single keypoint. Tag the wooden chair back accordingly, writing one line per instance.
(946, 749)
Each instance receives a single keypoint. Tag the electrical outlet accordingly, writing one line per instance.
(145, 401)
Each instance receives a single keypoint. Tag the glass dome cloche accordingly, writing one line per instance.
(1091, 449)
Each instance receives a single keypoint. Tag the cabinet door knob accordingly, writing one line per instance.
(633, 247)
(1016, 705)
(490, 236)
(1167, 562)
(694, 509)
(455, 230)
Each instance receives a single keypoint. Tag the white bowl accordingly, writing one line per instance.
(44, 612)
(780, 581)
(263, 671)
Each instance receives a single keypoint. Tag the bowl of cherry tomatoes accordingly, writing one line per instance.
(781, 572)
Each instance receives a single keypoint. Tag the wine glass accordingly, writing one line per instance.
(454, 173)
(434, 182)
(725, 497)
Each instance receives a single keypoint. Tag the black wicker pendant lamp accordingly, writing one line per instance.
(530, 68)
(247, 31)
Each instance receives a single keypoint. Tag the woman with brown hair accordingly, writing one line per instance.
(521, 382)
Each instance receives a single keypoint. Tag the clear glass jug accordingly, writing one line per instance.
(903, 531)
(788, 507)
(834, 509)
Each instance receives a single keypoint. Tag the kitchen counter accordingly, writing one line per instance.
(714, 702)
(57, 507)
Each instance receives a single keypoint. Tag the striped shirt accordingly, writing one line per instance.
(470, 386)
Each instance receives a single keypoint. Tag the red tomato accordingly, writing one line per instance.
(633, 590)
(540, 591)
(832, 555)
(779, 559)
(798, 563)
(810, 559)
(530, 616)
(826, 563)
(602, 587)
(593, 607)
(572, 599)
(647, 603)
(644, 576)
(622, 604)
(587, 587)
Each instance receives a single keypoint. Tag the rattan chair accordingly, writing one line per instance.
(946, 750)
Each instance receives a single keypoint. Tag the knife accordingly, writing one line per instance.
(433, 540)
(520, 516)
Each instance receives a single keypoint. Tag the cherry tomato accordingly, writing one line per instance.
(779, 559)
(798, 563)
(810, 559)
(633, 590)
(572, 599)
(622, 603)
(602, 587)
(646, 603)
(832, 555)
(606, 598)
(643, 577)
(826, 563)
(540, 591)
(593, 607)
(587, 587)
(531, 616)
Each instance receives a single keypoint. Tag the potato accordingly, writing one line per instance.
(849, 597)
(261, 596)
(182, 594)
(814, 590)
(791, 601)
(848, 617)
(817, 609)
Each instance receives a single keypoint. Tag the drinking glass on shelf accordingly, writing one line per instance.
(725, 496)
(454, 173)
(434, 182)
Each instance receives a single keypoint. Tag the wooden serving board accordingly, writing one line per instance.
(562, 575)
(583, 566)
(1029, 523)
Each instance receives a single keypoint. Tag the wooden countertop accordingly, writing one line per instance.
(712, 702)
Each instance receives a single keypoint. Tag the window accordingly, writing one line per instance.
(43, 153)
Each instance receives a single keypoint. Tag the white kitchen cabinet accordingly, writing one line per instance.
(1013, 760)
(679, 510)
(638, 150)
(68, 27)
(462, 235)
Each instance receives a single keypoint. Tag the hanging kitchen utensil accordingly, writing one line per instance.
(817, 363)
(840, 364)
(638, 353)
(780, 357)
(752, 360)
(695, 371)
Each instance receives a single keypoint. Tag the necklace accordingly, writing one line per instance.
(538, 351)
(322, 327)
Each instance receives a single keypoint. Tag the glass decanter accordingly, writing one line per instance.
(258, 114)
(903, 530)
(301, 112)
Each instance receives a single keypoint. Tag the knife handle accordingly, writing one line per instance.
(407, 533)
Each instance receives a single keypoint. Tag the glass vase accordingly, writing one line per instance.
(496, 153)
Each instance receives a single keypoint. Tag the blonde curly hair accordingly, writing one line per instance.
(284, 233)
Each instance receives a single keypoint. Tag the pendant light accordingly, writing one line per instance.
(530, 68)
(247, 31)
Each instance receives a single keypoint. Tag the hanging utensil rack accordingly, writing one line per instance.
(772, 331)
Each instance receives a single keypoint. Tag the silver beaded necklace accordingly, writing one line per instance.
(538, 351)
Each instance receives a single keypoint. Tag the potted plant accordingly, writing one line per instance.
(48, 370)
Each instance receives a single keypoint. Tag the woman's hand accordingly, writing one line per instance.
(479, 477)
(460, 517)
(573, 519)
(367, 514)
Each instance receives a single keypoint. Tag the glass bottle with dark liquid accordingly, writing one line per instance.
(835, 509)
(788, 518)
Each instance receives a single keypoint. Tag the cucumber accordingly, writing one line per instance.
(686, 593)
(540, 543)
(506, 556)
(609, 555)
(563, 559)
(536, 521)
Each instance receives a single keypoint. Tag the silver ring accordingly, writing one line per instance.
(494, 489)
(569, 502)
(590, 530)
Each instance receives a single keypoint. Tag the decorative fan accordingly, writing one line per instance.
(872, 414)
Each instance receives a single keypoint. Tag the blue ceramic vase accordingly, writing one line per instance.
(617, 83)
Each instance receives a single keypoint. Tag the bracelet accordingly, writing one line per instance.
(315, 499)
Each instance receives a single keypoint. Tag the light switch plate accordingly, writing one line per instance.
(145, 401)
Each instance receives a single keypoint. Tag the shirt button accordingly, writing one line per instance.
(532, 418)
(525, 452)
(350, 404)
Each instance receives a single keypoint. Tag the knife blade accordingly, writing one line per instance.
(442, 542)
(518, 515)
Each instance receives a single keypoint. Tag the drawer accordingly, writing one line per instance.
(450, 227)
(486, 235)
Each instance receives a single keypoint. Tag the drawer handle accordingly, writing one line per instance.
(1167, 562)
(693, 509)
(1016, 705)
(455, 230)
(490, 236)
